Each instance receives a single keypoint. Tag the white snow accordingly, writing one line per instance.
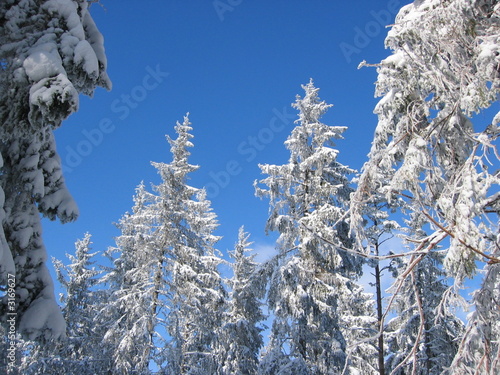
(496, 119)
(43, 313)
(49, 91)
(43, 62)
(85, 55)
(67, 9)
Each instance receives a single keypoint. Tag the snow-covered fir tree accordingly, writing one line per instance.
(81, 352)
(479, 351)
(443, 69)
(166, 297)
(50, 52)
(435, 154)
(379, 230)
(196, 296)
(240, 337)
(312, 294)
(424, 336)
(131, 310)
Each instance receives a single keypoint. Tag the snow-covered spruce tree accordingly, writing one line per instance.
(81, 352)
(479, 351)
(165, 293)
(444, 68)
(184, 233)
(50, 52)
(424, 336)
(240, 338)
(131, 309)
(312, 291)
(379, 229)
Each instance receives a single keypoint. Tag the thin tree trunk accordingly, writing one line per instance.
(380, 313)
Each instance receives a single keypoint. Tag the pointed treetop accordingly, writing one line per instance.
(179, 146)
(311, 135)
(179, 168)
(141, 198)
(242, 245)
(310, 107)
(83, 247)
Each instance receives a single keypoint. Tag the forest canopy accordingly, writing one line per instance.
(161, 302)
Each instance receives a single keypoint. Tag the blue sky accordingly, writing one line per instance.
(236, 66)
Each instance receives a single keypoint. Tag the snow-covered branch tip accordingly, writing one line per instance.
(363, 63)
(490, 259)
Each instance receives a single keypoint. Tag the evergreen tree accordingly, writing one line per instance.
(311, 290)
(443, 69)
(479, 351)
(378, 230)
(131, 310)
(423, 337)
(50, 52)
(240, 337)
(166, 295)
(81, 352)
(196, 296)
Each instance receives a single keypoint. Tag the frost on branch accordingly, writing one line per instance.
(479, 350)
(444, 68)
(431, 152)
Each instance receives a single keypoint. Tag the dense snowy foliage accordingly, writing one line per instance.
(422, 216)
(164, 295)
(81, 351)
(480, 348)
(50, 52)
(240, 338)
(319, 310)
(444, 68)
(128, 314)
(422, 337)
(196, 297)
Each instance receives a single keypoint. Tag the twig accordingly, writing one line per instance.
(364, 255)
(413, 352)
(491, 259)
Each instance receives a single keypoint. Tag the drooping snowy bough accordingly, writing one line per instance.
(444, 69)
(50, 51)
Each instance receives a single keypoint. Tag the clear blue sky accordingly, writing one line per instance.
(236, 66)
